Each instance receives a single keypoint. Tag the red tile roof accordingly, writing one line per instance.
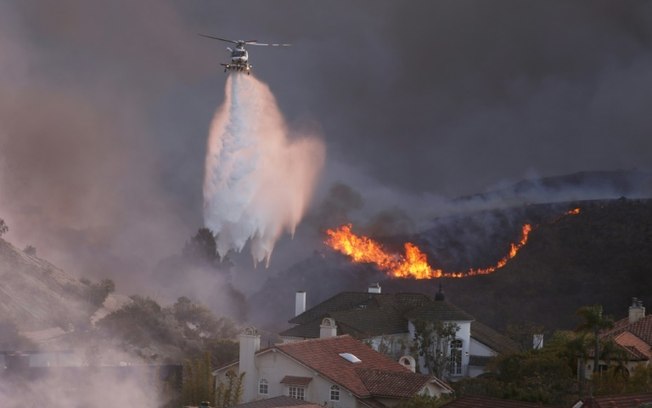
(486, 402)
(635, 338)
(641, 329)
(618, 401)
(282, 401)
(323, 356)
(392, 384)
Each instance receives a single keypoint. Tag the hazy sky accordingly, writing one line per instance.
(105, 105)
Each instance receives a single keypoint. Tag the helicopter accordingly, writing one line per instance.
(239, 55)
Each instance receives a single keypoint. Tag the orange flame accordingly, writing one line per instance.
(413, 263)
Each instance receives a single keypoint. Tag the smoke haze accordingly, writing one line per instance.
(105, 108)
(257, 183)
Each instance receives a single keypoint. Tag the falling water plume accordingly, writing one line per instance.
(258, 182)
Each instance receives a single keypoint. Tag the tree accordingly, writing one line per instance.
(432, 342)
(30, 250)
(594, 322)
(98, 292)
(229, 392)
(202, 247)
(3, 227)
(198, 384)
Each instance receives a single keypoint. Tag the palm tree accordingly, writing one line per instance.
(576, 350)
(594, 322)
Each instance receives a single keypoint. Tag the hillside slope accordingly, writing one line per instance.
(35, 294)
(603, 255)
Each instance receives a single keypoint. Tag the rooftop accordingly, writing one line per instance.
(486, 402)
(617, 401)
(375, 374)
(279, 402)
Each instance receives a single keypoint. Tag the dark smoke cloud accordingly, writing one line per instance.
(106, 106)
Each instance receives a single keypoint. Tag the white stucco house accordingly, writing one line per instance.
(334, 371)
(387, 322)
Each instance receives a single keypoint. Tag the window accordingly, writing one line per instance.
(297, 392)
(456, 357)
(335, 393)
(263, 387)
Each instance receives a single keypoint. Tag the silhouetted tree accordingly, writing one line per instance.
(594, 322)
(98, 292)
(432, 342)
(198, 383)
(30, 250)
(202, 247)
(228, 393)
(3, 227)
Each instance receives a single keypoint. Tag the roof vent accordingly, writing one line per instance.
(374, 288)
(350, 358)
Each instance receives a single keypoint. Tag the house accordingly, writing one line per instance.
(633, 335)
(279, 402)
(488, 402)
(387, 321)
(640, 400)
(337, 371)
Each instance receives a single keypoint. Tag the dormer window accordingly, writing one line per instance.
(263, 387)
(335, 393)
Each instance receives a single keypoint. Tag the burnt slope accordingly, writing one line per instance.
(603, 255)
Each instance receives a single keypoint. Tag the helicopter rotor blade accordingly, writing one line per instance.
(269, 45)
(218, 38)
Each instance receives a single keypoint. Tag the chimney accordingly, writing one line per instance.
(249, 345)
(327, 328)
(374, 288)
(636, 310)
(300, 303)
(537, 341)
(408, 362)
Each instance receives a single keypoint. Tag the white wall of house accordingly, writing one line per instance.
(273, 366)
(480, 349)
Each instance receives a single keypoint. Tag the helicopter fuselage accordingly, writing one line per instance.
(239, 55)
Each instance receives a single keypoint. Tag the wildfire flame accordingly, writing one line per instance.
(413, 263)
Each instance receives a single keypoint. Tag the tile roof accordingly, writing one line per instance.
(282, 401)
(641, 329)
(486, 402)
(371, 403)
(635, 338)
(359, 323)
(438, 310)
(618, 401)
(381, 383)
(361, 300)
(363, 315)
(491, 338)
(631, 342)
(323, 356)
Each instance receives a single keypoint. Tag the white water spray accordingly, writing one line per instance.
(257, 183)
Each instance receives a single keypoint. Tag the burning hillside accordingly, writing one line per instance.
(413, 263)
